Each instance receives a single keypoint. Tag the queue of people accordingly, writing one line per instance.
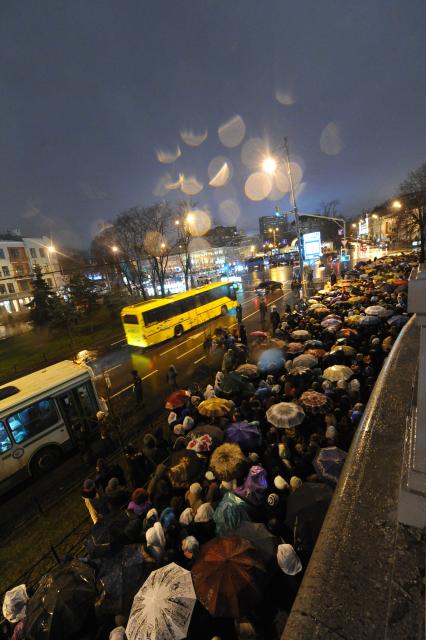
(208, 531)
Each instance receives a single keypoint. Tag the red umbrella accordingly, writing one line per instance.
(295, 347)
(229, 576)
(177, 399)
(259, 334)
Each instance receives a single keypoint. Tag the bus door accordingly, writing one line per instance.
(78, 407)
(70, 413)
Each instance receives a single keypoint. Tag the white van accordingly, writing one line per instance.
(39, 416)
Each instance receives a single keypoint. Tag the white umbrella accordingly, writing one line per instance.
(338, 372)
(376, 310)
(163, 606)
(285, 415)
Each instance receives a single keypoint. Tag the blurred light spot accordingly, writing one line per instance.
(219, 172)
(193, 139)
(190, 186)
(300, 188)
(330, 140)
(167, 157)
(154, 243)
(254, 152)
(229, 212)
(170, 186)
(232, 132)
(258, 186)
(199, 244)
(275, 193)
(198, 222)
(286, 98)
(161, 188)
(296, 173)
(281, 180)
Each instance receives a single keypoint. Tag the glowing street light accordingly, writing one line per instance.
(269, 165)
(396, 204)
(51, 249)
(114, 249)
(177, 222)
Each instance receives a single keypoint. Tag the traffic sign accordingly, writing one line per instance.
(344, 243)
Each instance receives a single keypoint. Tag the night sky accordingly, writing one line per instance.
(92, 93)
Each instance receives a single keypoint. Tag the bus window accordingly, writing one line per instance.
(87, 400)
(5, 441)
(33, 420)
(130, 318)
(232, 293)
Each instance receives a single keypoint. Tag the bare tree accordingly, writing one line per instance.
(329, 208)
(184, 238)
(413, 206)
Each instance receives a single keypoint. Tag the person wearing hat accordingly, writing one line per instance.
(93, 502)
(287, 579)
(211, 489)
(116, 495)
(139, 504)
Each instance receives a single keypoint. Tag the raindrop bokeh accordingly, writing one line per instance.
(168, 157)
(258, 186)
(232, 132)
(193, 139)
(229, 211)
(330, 140)
(219, 171)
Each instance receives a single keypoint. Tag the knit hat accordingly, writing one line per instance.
(89, 485)
(172, 417)
(186, 517)
(280, 483)
(288, 560)
(188, 423)
(139, 495)
(295, 483)
(204, 513)
(273, 500)
(196, 489)
(179, 430)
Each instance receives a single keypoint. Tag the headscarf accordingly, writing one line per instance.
(188, 423)
(167, 518)
(119, 633)
(288, 560)
(209, 392)
(186, 517)
(204, 513)
(15, 604)
(156, 540)
(172, 417)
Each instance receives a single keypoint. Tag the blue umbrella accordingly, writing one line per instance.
(229, 514)
(271, 360)
(246, 434)
(398, 321)
(328, 463)
(369, 321)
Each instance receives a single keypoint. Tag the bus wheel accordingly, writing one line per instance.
(224, 310)
(178, 331)
(44, 461)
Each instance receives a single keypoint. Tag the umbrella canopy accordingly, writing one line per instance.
(285, 415)
(314, 344)
(248, 371)
(258, 334)
(259, 536)
(276, 343)
(177, 399)
(305, 360)
(376, 310)
(331, 322)
(214, 407)
(354, 321)
(163, 606)
(328, 463)
(62, 603)
(215, 435)
(306, 510)
(347, 333)
(294, 347)
(369, 321)
(107, 532)
(338, 372)
(233, 383)
(321, 311)
(185, 466)
(300, 335)
(317, 353)
(315, 402)
(228, 461)
(230, 513)
(357, 299)
(344, 349)
(254, 486)
(121, 576)
(246, 434)
(271, 360)
(229, 576)
(398, 321)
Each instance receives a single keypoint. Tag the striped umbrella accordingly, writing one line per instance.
(285, 415)
(314, 402)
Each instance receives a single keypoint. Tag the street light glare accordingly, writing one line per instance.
(396, 204)
(51, 249)
(114, 249)
(269, 165)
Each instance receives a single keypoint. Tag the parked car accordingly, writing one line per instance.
(267, 286)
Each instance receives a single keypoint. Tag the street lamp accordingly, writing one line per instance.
(269, 165)
(396, 204)
(51, 250)
(114, 249)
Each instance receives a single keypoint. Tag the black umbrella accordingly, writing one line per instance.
(233, 383)
(62, 604)
(120, 576)
(108, 534)
(306, 509)
(264, 541)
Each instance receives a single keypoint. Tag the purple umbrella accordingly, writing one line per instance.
(398, 321)
(246, 434)
(254, 486)
(328, 463)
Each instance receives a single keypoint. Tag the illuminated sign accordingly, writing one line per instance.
(363, 227)
(312, 245)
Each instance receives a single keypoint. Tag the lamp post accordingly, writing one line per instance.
(51, 250)
(273, 231)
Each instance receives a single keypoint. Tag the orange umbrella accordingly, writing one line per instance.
(177, 399)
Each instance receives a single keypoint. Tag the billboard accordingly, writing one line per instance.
(312, 245)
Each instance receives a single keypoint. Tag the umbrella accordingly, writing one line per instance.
(369, 321)
(285, 415)
(300, 375)
(177, 399)
(254, 486)
(342, 304)
(230, 513)
(344, 349)
(314, 344)
(305, 360)
(229, 576)
(398, 282)
(331, 322)
(248, 370)
(259, 536)
(276, 342)
(306, 510)
(271, 360)
(185, 466)
(343, 284)
(121, 576)
(321, 311)
(258, 334)
(328, 463)
(354, 320)
(228, 461)
(214, 407)
(347, 332)
(398, 321)
(317, 353)
(246, 434)
(337, 372)
(357, 299)
(232, 383)
(214, 433)
(107, 532)
(300, 334)
(315, 402)
(376, 310)
(63, 602)
(294, 347)
(163, 606)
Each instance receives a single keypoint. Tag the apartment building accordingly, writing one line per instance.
(18, 257)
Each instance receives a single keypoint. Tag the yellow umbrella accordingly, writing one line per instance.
(215, 407)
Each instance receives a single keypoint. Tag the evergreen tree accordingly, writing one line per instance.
(43, 302)
(82, 293)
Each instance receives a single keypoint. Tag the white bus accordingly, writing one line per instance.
(39, 416)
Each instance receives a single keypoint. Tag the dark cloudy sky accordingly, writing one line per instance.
(90, 90)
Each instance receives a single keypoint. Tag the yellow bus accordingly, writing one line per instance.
(153, 321)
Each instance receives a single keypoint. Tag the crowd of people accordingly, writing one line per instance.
(208, 531)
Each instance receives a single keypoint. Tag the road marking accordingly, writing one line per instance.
(268, 305)
(116, 342)
(182, 355)
(199, 359)
(131, 385)
(112, 368)
(183, 342)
